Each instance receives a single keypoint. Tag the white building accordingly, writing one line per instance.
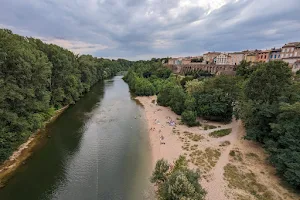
(222, 59)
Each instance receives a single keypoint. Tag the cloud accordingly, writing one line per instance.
(141, 29)
(78, 47)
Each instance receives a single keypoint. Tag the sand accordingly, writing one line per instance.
(213, 157)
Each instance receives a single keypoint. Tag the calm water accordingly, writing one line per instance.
(97, 150)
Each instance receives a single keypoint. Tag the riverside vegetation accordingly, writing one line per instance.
(266, 96)
(36, 79)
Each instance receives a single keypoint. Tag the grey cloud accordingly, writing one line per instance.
(137, 29)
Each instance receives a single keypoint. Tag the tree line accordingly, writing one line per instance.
(269, 105)
(189, 96)
(266, 96)
(38, 78)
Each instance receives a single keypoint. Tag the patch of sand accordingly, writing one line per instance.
(208, 154)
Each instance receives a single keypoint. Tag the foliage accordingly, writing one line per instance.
(194, 86)
(179, 183)
(245, 69)
(269, 107)
(215, 105)
(259, 104)
(37, 78)
(284, 146)
(160, 173)
(177, 99)
(189, 117)
(220, 133)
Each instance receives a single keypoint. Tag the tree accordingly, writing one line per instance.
(215, 105)
(284, 145)
(189, 117)
(190, 103)
(179, 183)
(177, 99)
(160, 173)
(245, 69)
(37, 78)
(194, 86)
(164, 96)
(259, 104)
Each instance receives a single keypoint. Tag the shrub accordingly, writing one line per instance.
(220, 133)
(189, 118)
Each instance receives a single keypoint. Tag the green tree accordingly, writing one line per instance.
(284, 145)
(177, 99)
(179, 183)
(262, 92)
(189, 117)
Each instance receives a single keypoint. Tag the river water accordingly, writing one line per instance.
(98, 149)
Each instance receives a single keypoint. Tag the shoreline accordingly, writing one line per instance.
(24, 151)
(211, 155)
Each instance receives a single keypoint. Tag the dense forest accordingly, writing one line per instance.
(36, 79)
(266, 96)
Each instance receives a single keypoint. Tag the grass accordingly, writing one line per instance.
(193, 137)
(237, 155)
(207, 127)
(224, 143)
(205, 160)
(246, 181)
(253, 156)
(220, 133)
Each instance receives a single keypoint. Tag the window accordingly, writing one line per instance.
(288, 49)
(283, 50)
(275, 56)
(292, 49)
(296, 53)
(265, 56)
(279, 56)
(271, 56)
(286, 55)
(291, 55)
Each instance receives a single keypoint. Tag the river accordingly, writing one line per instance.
(97, 149)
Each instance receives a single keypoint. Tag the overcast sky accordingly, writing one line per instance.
(142, 29)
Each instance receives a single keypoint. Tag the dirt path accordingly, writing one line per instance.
(216, 187)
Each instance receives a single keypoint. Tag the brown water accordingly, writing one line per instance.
(99, 149)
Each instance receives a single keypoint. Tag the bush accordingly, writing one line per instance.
(189, 118)
(220, 133)
(179, 183)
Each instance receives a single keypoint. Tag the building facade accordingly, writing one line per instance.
(208, 58)
(251, 56)
(274, 54)
(222, 59)
(290, 52)
(263, 56)
(236, 58)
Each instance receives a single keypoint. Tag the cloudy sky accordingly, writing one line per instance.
(142, 29)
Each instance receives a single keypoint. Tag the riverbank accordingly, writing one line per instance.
(231, 167)
(24, 151)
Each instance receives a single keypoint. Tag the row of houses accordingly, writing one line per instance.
(289, 53)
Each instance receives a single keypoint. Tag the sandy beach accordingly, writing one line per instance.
(231, 167)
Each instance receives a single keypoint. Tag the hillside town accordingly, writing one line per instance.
(289, 53)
